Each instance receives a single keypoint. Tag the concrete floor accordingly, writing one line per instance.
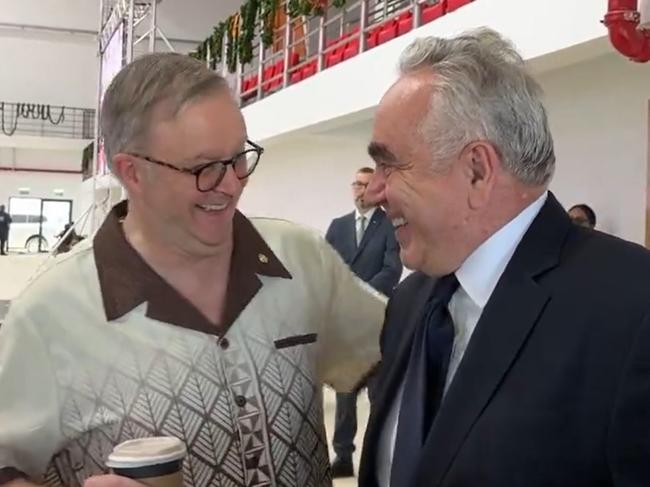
(17, 269)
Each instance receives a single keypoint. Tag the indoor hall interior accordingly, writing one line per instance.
(309, 99)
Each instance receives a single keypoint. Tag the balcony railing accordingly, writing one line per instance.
(46, 120)
(303, 47)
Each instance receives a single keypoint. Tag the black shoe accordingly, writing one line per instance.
(342, 468)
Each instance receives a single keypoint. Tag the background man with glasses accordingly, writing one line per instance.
(192, 321)
(365, 239)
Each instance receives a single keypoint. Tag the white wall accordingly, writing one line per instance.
(306, 179)
(186, 19)
(61, 68)
(53, 70)
(47, 159)
(41, 185)
(599, 117)
(598, 112)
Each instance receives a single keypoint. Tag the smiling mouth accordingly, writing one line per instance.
(399, 222)
(212, 208)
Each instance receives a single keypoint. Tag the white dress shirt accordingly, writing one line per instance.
(478, 276)
(357, 221)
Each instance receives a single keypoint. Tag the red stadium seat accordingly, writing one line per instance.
(433, 12)
(388, 32)
(456, 4)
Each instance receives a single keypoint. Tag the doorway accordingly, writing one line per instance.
(37, 222)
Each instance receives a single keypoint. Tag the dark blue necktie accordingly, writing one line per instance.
(424, 382)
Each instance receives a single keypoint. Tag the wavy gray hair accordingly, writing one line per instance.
(483, 91)
(150, 82)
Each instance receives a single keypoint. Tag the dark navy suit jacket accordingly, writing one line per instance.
(376, 259)
(554, 387)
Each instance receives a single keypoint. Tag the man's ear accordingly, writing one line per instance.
(481, 163)
(129, 171)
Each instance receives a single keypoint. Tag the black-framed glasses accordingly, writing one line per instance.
(358, 184)
(209, 174)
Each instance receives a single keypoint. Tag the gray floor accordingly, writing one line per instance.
(4, 307)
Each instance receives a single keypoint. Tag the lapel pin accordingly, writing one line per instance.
(263, 258)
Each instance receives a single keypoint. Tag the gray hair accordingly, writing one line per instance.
(152, 81)
(483, 91)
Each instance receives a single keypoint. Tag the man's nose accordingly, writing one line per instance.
(230, 182)
(374, 193)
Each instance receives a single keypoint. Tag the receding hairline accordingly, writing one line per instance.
(137, 98)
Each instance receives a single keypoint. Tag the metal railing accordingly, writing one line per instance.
(46, 120)
(328, 40)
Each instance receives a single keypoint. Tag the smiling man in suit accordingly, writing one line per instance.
(493, 374)
(366, 241)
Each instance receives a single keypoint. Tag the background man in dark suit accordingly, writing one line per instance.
(493, 373)
(366, 241)
(5, 222)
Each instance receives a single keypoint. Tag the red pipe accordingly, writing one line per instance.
(622, 21)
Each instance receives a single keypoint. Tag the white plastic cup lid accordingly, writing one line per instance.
(146, 451)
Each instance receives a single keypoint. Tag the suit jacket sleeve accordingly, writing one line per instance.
(629, 440)
(353, 317)
(388, 277)
(329, 236)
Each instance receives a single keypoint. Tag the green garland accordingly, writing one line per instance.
(239, 48)
(267, 11)
(249, 13)
(298, 8)
(231, 45)
(216, 44)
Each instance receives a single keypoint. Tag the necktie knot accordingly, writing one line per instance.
(445, 289)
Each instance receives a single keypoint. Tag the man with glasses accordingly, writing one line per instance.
(365, 239)
(191, 320)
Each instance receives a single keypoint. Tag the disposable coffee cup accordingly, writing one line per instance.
(156, 461)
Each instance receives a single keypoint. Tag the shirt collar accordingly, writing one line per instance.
(368, 214)
(482, 270)
(126, 280)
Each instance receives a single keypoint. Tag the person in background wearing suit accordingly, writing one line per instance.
(366, 241)
(492, 373)
(5, 222)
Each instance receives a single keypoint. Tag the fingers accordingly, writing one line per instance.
(110, 481)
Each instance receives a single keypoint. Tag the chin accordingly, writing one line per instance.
(408, 259)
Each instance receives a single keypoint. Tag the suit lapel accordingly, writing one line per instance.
(507, 320)
(499, 335)
(391, 374)
(373, 224)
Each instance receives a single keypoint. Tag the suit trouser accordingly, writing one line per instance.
(345, 424)
(3, 244)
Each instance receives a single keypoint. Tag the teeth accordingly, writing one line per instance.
(220, 207)
(399, 222)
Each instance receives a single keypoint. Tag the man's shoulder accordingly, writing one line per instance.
(599, 250)
(340, 219)
(58, 279)
(281, 233)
